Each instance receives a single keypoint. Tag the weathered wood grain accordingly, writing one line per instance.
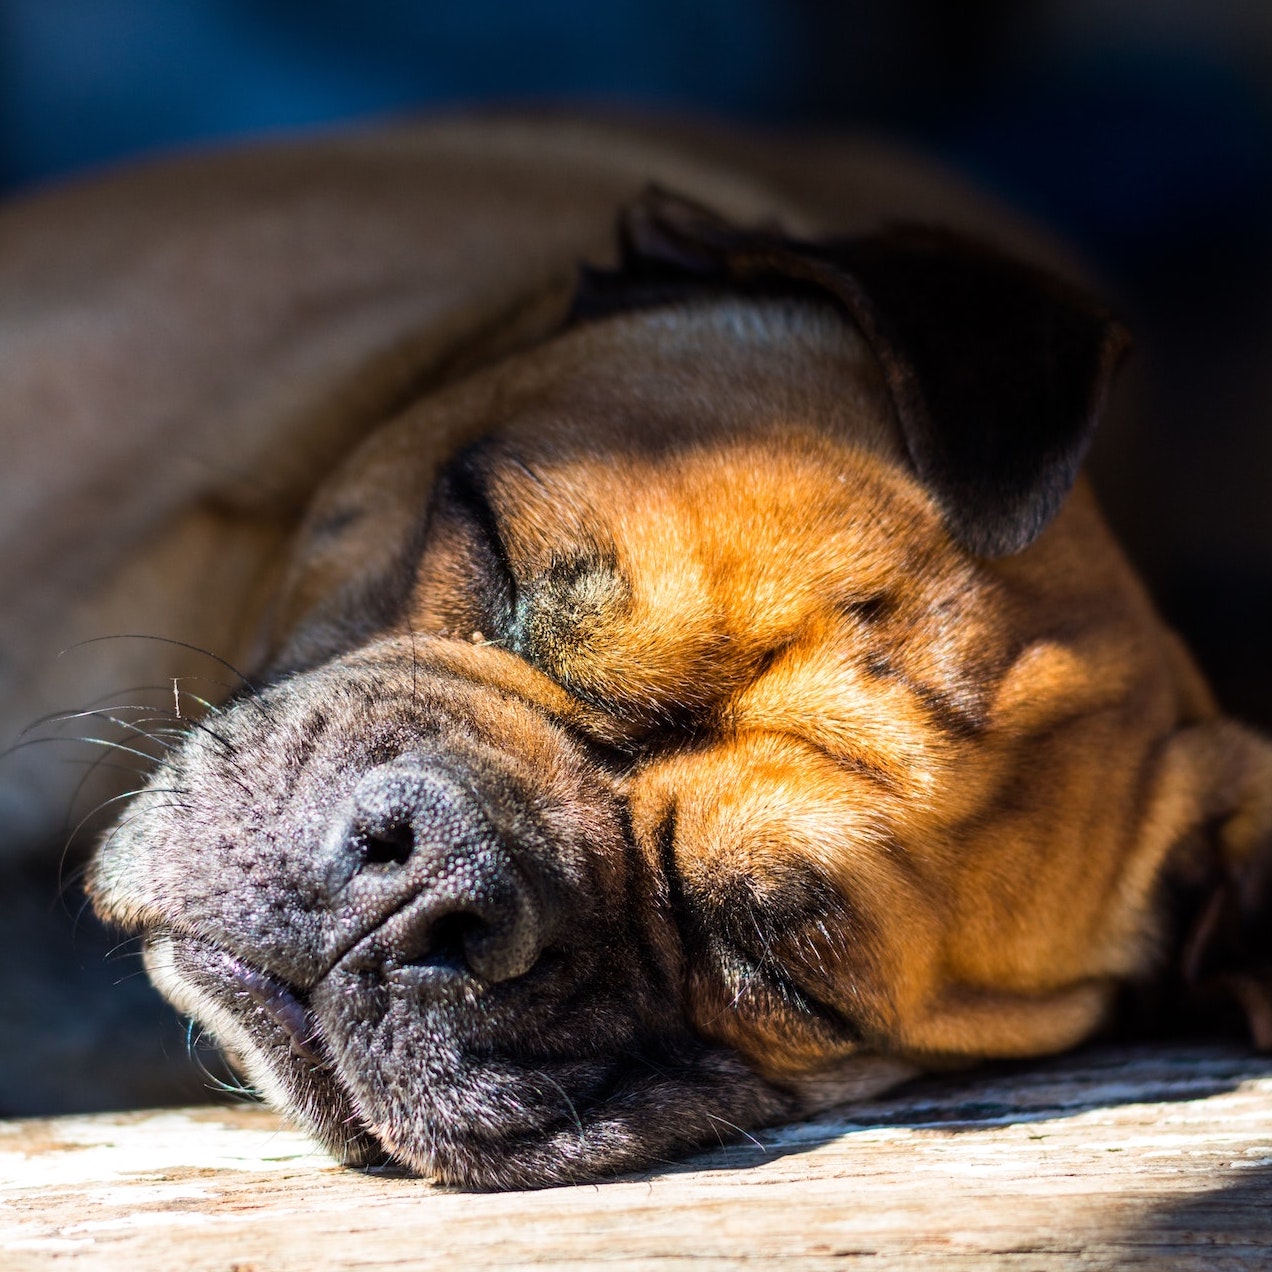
(1137, 1158)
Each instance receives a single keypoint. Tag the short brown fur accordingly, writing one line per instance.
(654, 607)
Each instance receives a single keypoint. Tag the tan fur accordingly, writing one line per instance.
(1001, 925)
(257, 366)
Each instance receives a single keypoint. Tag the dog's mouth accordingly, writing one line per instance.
(282, 1037)
(386, 1074)
(282, 1004)
(268, 1030)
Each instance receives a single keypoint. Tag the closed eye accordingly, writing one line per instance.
(462, 503)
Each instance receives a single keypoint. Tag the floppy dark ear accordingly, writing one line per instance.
(998, 370)
(1225, 951)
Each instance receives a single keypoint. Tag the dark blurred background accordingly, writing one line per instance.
(1139, 129)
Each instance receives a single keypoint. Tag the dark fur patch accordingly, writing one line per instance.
(998, 371)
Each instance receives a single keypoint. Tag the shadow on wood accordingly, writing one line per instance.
(1131, 1157)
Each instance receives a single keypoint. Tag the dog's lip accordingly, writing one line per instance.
(267, 1027)
(284, 1004)
(281, 1002)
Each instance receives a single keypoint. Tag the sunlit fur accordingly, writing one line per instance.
(833, 799)
(977, 755)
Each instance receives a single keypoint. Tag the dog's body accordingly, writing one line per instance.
(692, 697)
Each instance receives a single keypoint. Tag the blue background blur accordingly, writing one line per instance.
(1140, 128)
(1138, 125)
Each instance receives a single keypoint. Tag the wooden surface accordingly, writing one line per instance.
(1152, 1158)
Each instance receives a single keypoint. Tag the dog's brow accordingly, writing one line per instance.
(465, 481)
(522, 467)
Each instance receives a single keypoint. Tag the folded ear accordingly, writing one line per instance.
(998, 371)
(1225, 876)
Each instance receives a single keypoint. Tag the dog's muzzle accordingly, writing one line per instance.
(410, 905)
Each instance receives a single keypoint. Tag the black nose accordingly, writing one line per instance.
(418, 848)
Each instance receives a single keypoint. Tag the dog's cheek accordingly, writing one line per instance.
(224, 859)
(776, 886)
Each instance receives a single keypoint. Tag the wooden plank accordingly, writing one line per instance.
(1139, 1158)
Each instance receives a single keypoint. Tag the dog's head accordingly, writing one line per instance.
(744, 719)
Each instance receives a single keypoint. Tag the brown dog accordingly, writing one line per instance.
(694, 693)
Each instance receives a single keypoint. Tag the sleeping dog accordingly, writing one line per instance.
(669, 695)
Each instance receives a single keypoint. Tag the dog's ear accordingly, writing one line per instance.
(998, 370)
(1225, 953)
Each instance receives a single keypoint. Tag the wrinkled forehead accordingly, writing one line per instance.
(747, 514)
(711, 430)
(665, 383)
(737, 457)
(749, 440)
(648, 389)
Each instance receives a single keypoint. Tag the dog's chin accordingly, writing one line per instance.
(383, 1069)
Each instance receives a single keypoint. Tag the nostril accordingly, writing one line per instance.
(391, 846)
(495, 940)
(443, 943)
